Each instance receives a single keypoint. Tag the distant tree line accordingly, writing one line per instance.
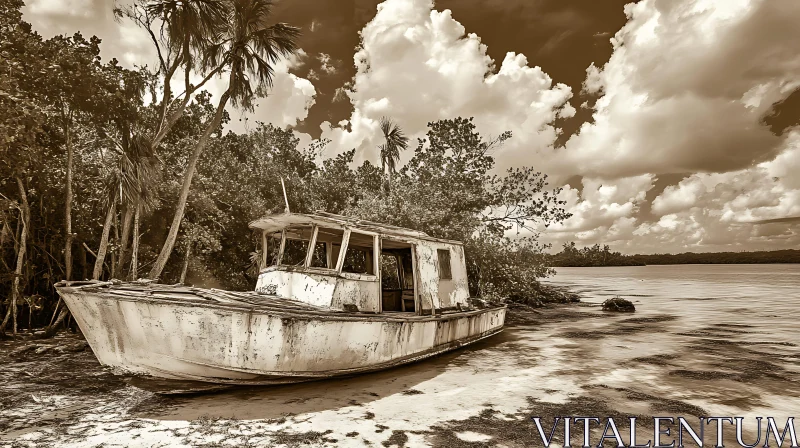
(596, 255)
(571, 256)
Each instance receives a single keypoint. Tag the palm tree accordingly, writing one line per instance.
(147, 170)
(139, 171)
(188, 29)
(248, 46)
(396, 141)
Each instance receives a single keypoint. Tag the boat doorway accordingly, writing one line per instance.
(397, 277)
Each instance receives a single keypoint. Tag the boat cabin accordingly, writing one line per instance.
(353, 265)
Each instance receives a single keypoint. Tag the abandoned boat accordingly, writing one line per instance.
(335, 296)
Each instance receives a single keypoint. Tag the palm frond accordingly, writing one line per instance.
(396, 142)
(191, 24)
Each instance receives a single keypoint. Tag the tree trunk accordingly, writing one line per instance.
(115, 224)
(68, 211)
(101, 251)
(5, 320)
(55, 311)
(52, 328)
(84, 263)
(168, 119)
(126, 231)
(135, 245)
(169, 244)
(16, 234)
(23, 245)
(186, 261)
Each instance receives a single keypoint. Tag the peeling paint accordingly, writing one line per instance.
(181, 340)
(301, 322)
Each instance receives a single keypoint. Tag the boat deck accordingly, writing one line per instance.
(251, 300)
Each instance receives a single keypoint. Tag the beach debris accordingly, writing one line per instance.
(619, 305)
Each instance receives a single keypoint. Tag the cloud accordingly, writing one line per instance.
(286, 104)
(416, 65)
(684, 92)
(297, 60)
(327, 64)
(736, 210)
(686, 87)
(74, 8)
(121, 40)
(603, 211)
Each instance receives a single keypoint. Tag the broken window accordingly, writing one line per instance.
(444, 264)
(326, 252)
(270, 244)
(294, 254)
(319, 259)
(359, 259)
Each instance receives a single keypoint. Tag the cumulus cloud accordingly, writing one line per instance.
(603, 211)
(687, 85)
(74, 8)
(684, 92)
(327, 64)
(123, 41)
(738, 210)
(286, 104)
(416, 65)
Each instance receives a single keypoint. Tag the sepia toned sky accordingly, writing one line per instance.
(670, 124)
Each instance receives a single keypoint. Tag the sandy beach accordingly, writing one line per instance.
(572, 360)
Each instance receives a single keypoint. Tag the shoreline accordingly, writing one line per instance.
(550, 361)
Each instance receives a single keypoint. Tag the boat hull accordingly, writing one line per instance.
(236, 344)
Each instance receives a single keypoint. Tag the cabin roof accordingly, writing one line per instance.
(280, 221)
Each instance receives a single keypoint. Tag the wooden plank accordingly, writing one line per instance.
(415, 276)
(329, 255)
(311, 246)
(343, 250)
(376, 267)
(264, 249)
(282, 248)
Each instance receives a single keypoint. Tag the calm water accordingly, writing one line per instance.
(721, 337)
(763, 297)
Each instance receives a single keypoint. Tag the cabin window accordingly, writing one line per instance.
(329, 244)
(295, 246)
(270, 247)
(295, 252)
(359, 256)
(319, 258)
(445, 273)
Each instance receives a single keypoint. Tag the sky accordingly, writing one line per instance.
(671, 125)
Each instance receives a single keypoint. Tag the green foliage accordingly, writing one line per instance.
(395, 142)
(590, 256)
(58, 92)
(449, 190)
(571, 256)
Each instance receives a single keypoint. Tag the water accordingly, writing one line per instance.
(705, 340)
(763, 297)
(729, 343)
